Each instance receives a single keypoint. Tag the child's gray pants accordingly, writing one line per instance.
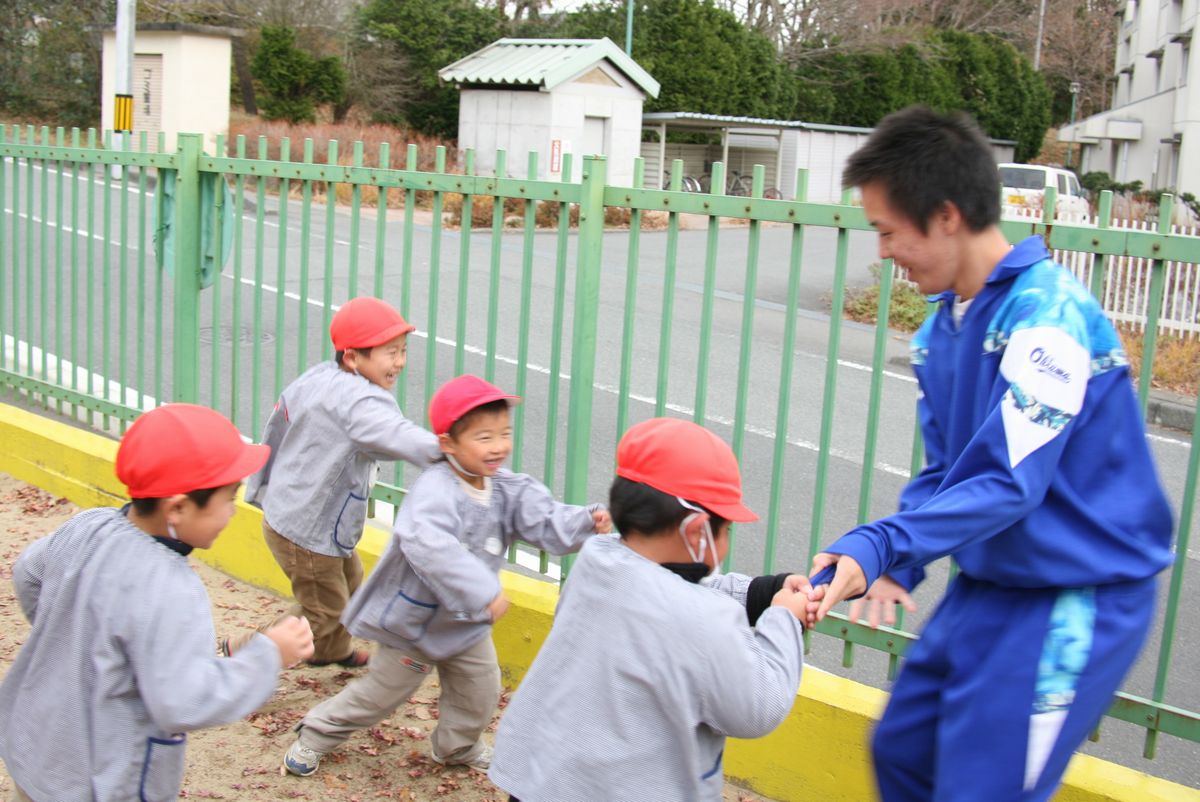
(470, 684)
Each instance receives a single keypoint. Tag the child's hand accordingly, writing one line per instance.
(798, 583)
(602, 521)
(294, 639)
(814, 603)
(498, 607)
(795, 602)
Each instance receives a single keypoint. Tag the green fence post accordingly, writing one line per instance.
(186, 350)
(583, 331)
(1154, 305)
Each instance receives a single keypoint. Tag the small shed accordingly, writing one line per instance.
(781, 146)
(550, 97)
(180, 81)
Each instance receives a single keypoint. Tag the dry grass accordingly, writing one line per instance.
(372, 137)
(1176, 360)
(546, 215)
(482, 207)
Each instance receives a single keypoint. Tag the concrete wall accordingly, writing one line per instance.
(1154, 90)
(818, 753)
(517, 122)
(195, 83)
(524, 121)
(620, 107)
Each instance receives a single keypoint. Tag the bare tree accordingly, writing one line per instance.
(379, 78)
(801, 27)
(518, 10)
(1079, 44)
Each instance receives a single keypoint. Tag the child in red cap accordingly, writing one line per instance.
(651, 662)
(327, 431)
(435, 594)
(119, 663)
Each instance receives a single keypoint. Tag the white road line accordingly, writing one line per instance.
(683, 410)
(67, 229)
(137, 191)
(12, 349)
(611, 390)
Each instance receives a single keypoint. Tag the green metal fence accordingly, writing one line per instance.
(595, 328)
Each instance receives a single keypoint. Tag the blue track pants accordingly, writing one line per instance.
(1002, 687)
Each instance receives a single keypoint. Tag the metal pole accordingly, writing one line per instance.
(123, 79)
(629, 27)
(1071, 142)
(186, 225)
(584, 327)
(1037, 47)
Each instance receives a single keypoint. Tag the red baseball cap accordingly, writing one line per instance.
(178, 448)
(683, 459)
(366, 322)
(459, 396)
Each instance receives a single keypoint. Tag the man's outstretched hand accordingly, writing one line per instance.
(848, 580)
(881, 599)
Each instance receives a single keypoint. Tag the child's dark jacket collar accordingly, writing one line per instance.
(177, 546)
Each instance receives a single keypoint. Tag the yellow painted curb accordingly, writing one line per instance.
(818, 753)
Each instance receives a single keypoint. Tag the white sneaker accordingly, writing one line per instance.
(302, 761)
(480, 762)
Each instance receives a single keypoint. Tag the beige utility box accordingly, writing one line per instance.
(180, 81)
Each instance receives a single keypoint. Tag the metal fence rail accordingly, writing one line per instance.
(595, 329)
(1126, 281)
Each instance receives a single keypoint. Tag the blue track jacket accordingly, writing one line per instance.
(1038, 473)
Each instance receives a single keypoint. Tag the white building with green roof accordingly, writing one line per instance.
(551, 97)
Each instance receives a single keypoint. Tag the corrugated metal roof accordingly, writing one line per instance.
(695, 119)
(543, 63)
(722, 120)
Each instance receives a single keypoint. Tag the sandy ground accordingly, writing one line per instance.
(242, 761)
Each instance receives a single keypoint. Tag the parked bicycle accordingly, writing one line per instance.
(740, 186)
(689, 183)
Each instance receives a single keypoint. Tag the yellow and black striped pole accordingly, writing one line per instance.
(123, 113)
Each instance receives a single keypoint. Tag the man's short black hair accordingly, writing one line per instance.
(637, 507)
(337, 356)
(923, 159)
(147, 506)
(491, 407)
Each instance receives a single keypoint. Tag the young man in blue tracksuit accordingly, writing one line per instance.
(1039, 482)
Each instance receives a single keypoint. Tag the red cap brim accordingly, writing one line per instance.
(388, 334)
(249, 462)
(732, 512)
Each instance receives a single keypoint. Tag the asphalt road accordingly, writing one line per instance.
(287, 288)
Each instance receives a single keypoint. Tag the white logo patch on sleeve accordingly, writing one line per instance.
(1047, 371)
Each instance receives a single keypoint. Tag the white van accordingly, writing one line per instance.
(1025, 184)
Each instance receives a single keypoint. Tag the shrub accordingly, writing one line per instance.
(906, 311)
(548, 215)
(1176, 360)
(294, 81)
(482, 207)
(1098, 181)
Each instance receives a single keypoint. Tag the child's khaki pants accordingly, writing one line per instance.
(470, 691)
(322, 585)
